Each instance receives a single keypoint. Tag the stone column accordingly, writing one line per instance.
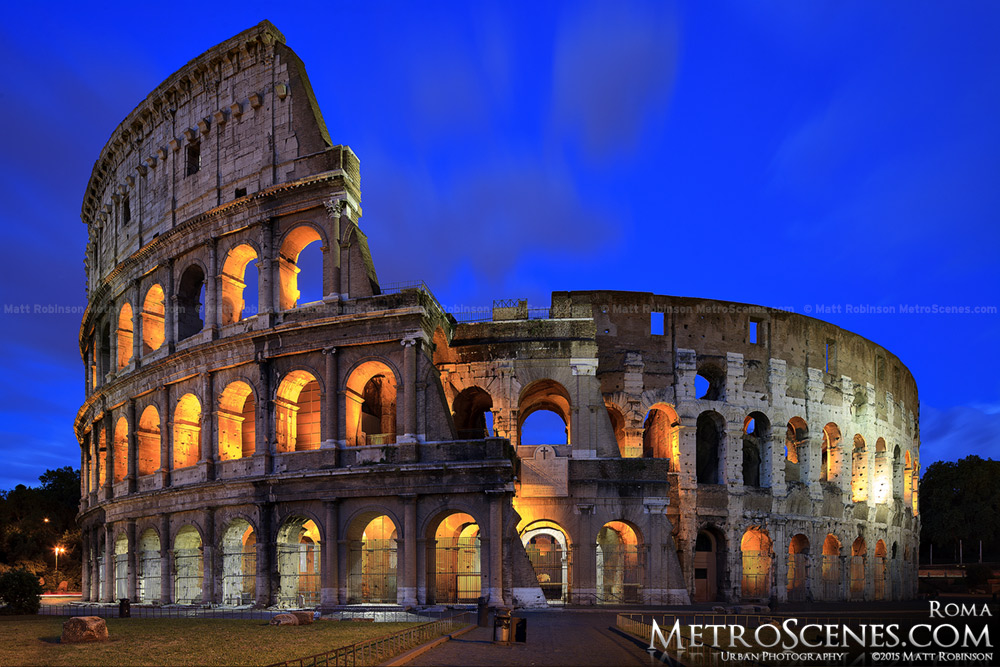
(95, 576)
(265, 408)
(133, 569)
(495, 593)
(87, 557)
(169, 309)
(212, 290)
(265, 290)
(109, 459)
(335, 208)
(166, 571)
(409, 431)
(84, 472)
(343, 556)
(136, 324)
(330, 567)
(113, 345)
(208, 559)
(98, 354)
(407, 593)
(585, 558)
(130, 477)
(330, 421)
(166, 438)
(422, 570)
(109, 563)
(265, 549)
(95, 477)
(209, 433)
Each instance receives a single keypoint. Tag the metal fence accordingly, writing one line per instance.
(620, 570)
(798, 579)
(110, 610)
(856, 581)
(756, 579)
(830, 577)
(239, 578)
(373, 572)
(380, 649)
(457, 570)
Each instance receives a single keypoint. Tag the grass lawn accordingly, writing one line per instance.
(34, 640)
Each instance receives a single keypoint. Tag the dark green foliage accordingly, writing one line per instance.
(961, 501)
(20, 592)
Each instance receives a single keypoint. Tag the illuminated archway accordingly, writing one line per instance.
(859, 551)
(830, 454)
(755, 547)
(549, 551)
(455, 561)
(798, 568)
(124, 333)
(796, 456)
(472, 411)
(372, 561)
(236, 417)
(148, 442)
(294, 243)
(661, 435)
(859, 470)
(153, 313)
(297, 412)
(627, 450)
(188, 566)
(620, 564)
(121, 449)
(121, 567)
(370, 405)
(879, 571)
(831, 570)
(239, 563)
(235, 306)
(187, 431)
(298, 549)
(148, 580)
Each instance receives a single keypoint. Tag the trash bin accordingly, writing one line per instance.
(501, 625)
(482, 613)
(124, 608)
(520, 628)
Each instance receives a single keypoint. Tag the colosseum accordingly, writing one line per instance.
(241, 446)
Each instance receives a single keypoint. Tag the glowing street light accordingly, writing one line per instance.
(58, 550)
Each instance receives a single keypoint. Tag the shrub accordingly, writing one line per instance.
(20, 591)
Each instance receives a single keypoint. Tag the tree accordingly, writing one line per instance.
(20, 591)
(961, 501)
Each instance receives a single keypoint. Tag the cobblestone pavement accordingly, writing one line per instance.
(554, 638)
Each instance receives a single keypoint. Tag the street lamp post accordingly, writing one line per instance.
(58, 551)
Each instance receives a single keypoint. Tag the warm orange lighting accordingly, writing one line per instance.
(46, 519)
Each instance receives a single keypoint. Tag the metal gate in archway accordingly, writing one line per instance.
(121, 576)
(856, 580)
(457, 570)
(620, 570)
(879, 572)
(797, 577)
(148, 581)
(188, 575)
(239, 575)
(553, 571)
(831, 575)
(373, 572)
(298, 574)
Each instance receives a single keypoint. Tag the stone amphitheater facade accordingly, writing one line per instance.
(366, 447)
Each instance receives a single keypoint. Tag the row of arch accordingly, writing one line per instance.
(370, 417)
(239, 288)
(832, 574)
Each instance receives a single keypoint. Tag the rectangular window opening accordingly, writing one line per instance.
(241, 192)
(126, 211)
(193, 158)
(656, 324)
(754, 332)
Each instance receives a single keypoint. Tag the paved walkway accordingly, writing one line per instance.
(555, 638)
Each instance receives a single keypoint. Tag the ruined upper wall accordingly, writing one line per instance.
(238, 119)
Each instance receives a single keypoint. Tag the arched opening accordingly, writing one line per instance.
(239, 563)
(880, 571)
(907, 479)
(298, 549)
(710, 383)
(188, 566)
(121, 567)
(98, 592)
(373, 561)
(756, 450)
(831, 575)
(661, 435)
(796, 456)
(625, 448)
(148, 442)
(457, 573)
(709, 565)
(548, 549)
(148, 579)
(297, 412)
(239, 296)
(300, 267)
(105, 356)
(552, 427)
(620, 564)
(124, 336)
(102, 455)
(857, 570)
(153, 314)
(798, 568)
(755, 547)
(829, 467)
(187, 431)
(190, 302)
(915, 486)
(882, 479)
(370, 408)
(897, 474)
(121, 449)
(859, 470)
(708, 446)
(472, 410)
(236, 417)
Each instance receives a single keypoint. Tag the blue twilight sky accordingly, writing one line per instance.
(788, 154)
